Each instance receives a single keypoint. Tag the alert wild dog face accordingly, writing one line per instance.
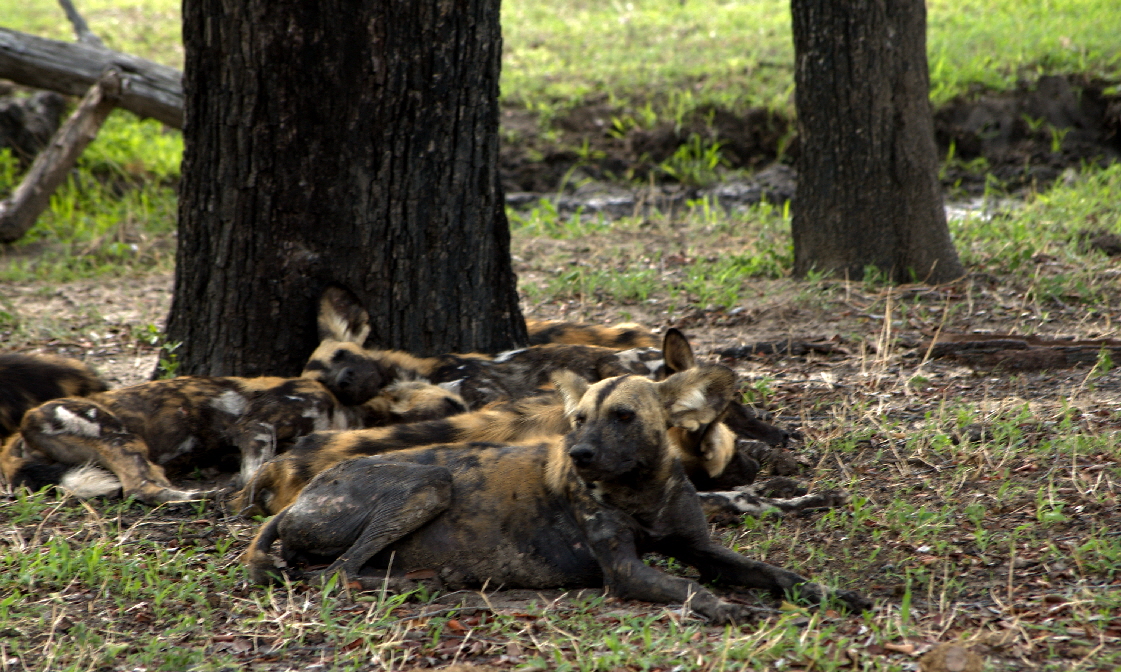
(575, 511)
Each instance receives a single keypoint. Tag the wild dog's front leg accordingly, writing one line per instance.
(76, 431)
(626, 576)
(256, 441)
(717, 563)
(356, 509)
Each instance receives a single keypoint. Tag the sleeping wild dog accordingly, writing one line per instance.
(619, 337)
(28, 380)
(577, 510)
(341, 363)
(143, 432)
(478, 378)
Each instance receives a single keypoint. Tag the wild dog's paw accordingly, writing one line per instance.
(266, 569)
(846, 599)
(726, 613)
(852, 601)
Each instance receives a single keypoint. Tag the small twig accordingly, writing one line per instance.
(81, 28)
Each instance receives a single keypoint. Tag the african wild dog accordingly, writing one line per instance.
(142, 432)
(478, 378)
(575, 510)
(709, 453)
(620, 337)
(341, 362)
(28, 380)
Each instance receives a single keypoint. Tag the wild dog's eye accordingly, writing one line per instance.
(624, 415)
(579, 419)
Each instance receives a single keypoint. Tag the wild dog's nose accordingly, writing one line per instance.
(582, 454)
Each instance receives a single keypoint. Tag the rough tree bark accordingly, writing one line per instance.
(868, 191)
(349, 142)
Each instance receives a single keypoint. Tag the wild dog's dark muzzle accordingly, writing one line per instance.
(582, 454)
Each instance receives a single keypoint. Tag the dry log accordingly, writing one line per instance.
(147, 89)
(19, 211)
(789, 348)
(1011, 352)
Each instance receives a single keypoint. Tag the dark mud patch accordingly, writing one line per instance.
(1023, 138)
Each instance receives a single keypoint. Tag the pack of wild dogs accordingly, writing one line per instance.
(557, 465)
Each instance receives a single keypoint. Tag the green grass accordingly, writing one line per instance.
(114, 216)
(651, 60)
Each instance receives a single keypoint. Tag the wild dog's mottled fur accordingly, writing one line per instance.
(708, 453)
(28, 380)
(479, 379)
(578, 510)
(141, 433)
(621, 336)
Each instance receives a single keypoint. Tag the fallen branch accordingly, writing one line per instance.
(19, 211)
(147, 89)
(1011, 352)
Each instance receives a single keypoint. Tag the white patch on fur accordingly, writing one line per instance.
(188, 444)
(504, 356)
(338, 420)
(230, 402)
(717, 448)
(690, 401)
(89, 480)
(72, 423)
(311, 412)
(452, 386)
(634, 360)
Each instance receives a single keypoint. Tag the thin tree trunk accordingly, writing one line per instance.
(868, 192)
(354, 143)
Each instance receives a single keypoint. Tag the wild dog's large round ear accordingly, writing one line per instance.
(572, 387)
(342, 317)
(697, 396)
(677, 352)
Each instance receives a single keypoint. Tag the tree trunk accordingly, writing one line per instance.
(354, 143)
(868, 191)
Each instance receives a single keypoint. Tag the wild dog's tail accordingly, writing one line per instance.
(89, 480)
(85, 481)
(262, 566)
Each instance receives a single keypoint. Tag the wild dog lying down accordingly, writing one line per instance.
(578, 510)
(141, 433)
(28, 380)
(341, 363)
(708, 453)
(346, 368)
(620, 337)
